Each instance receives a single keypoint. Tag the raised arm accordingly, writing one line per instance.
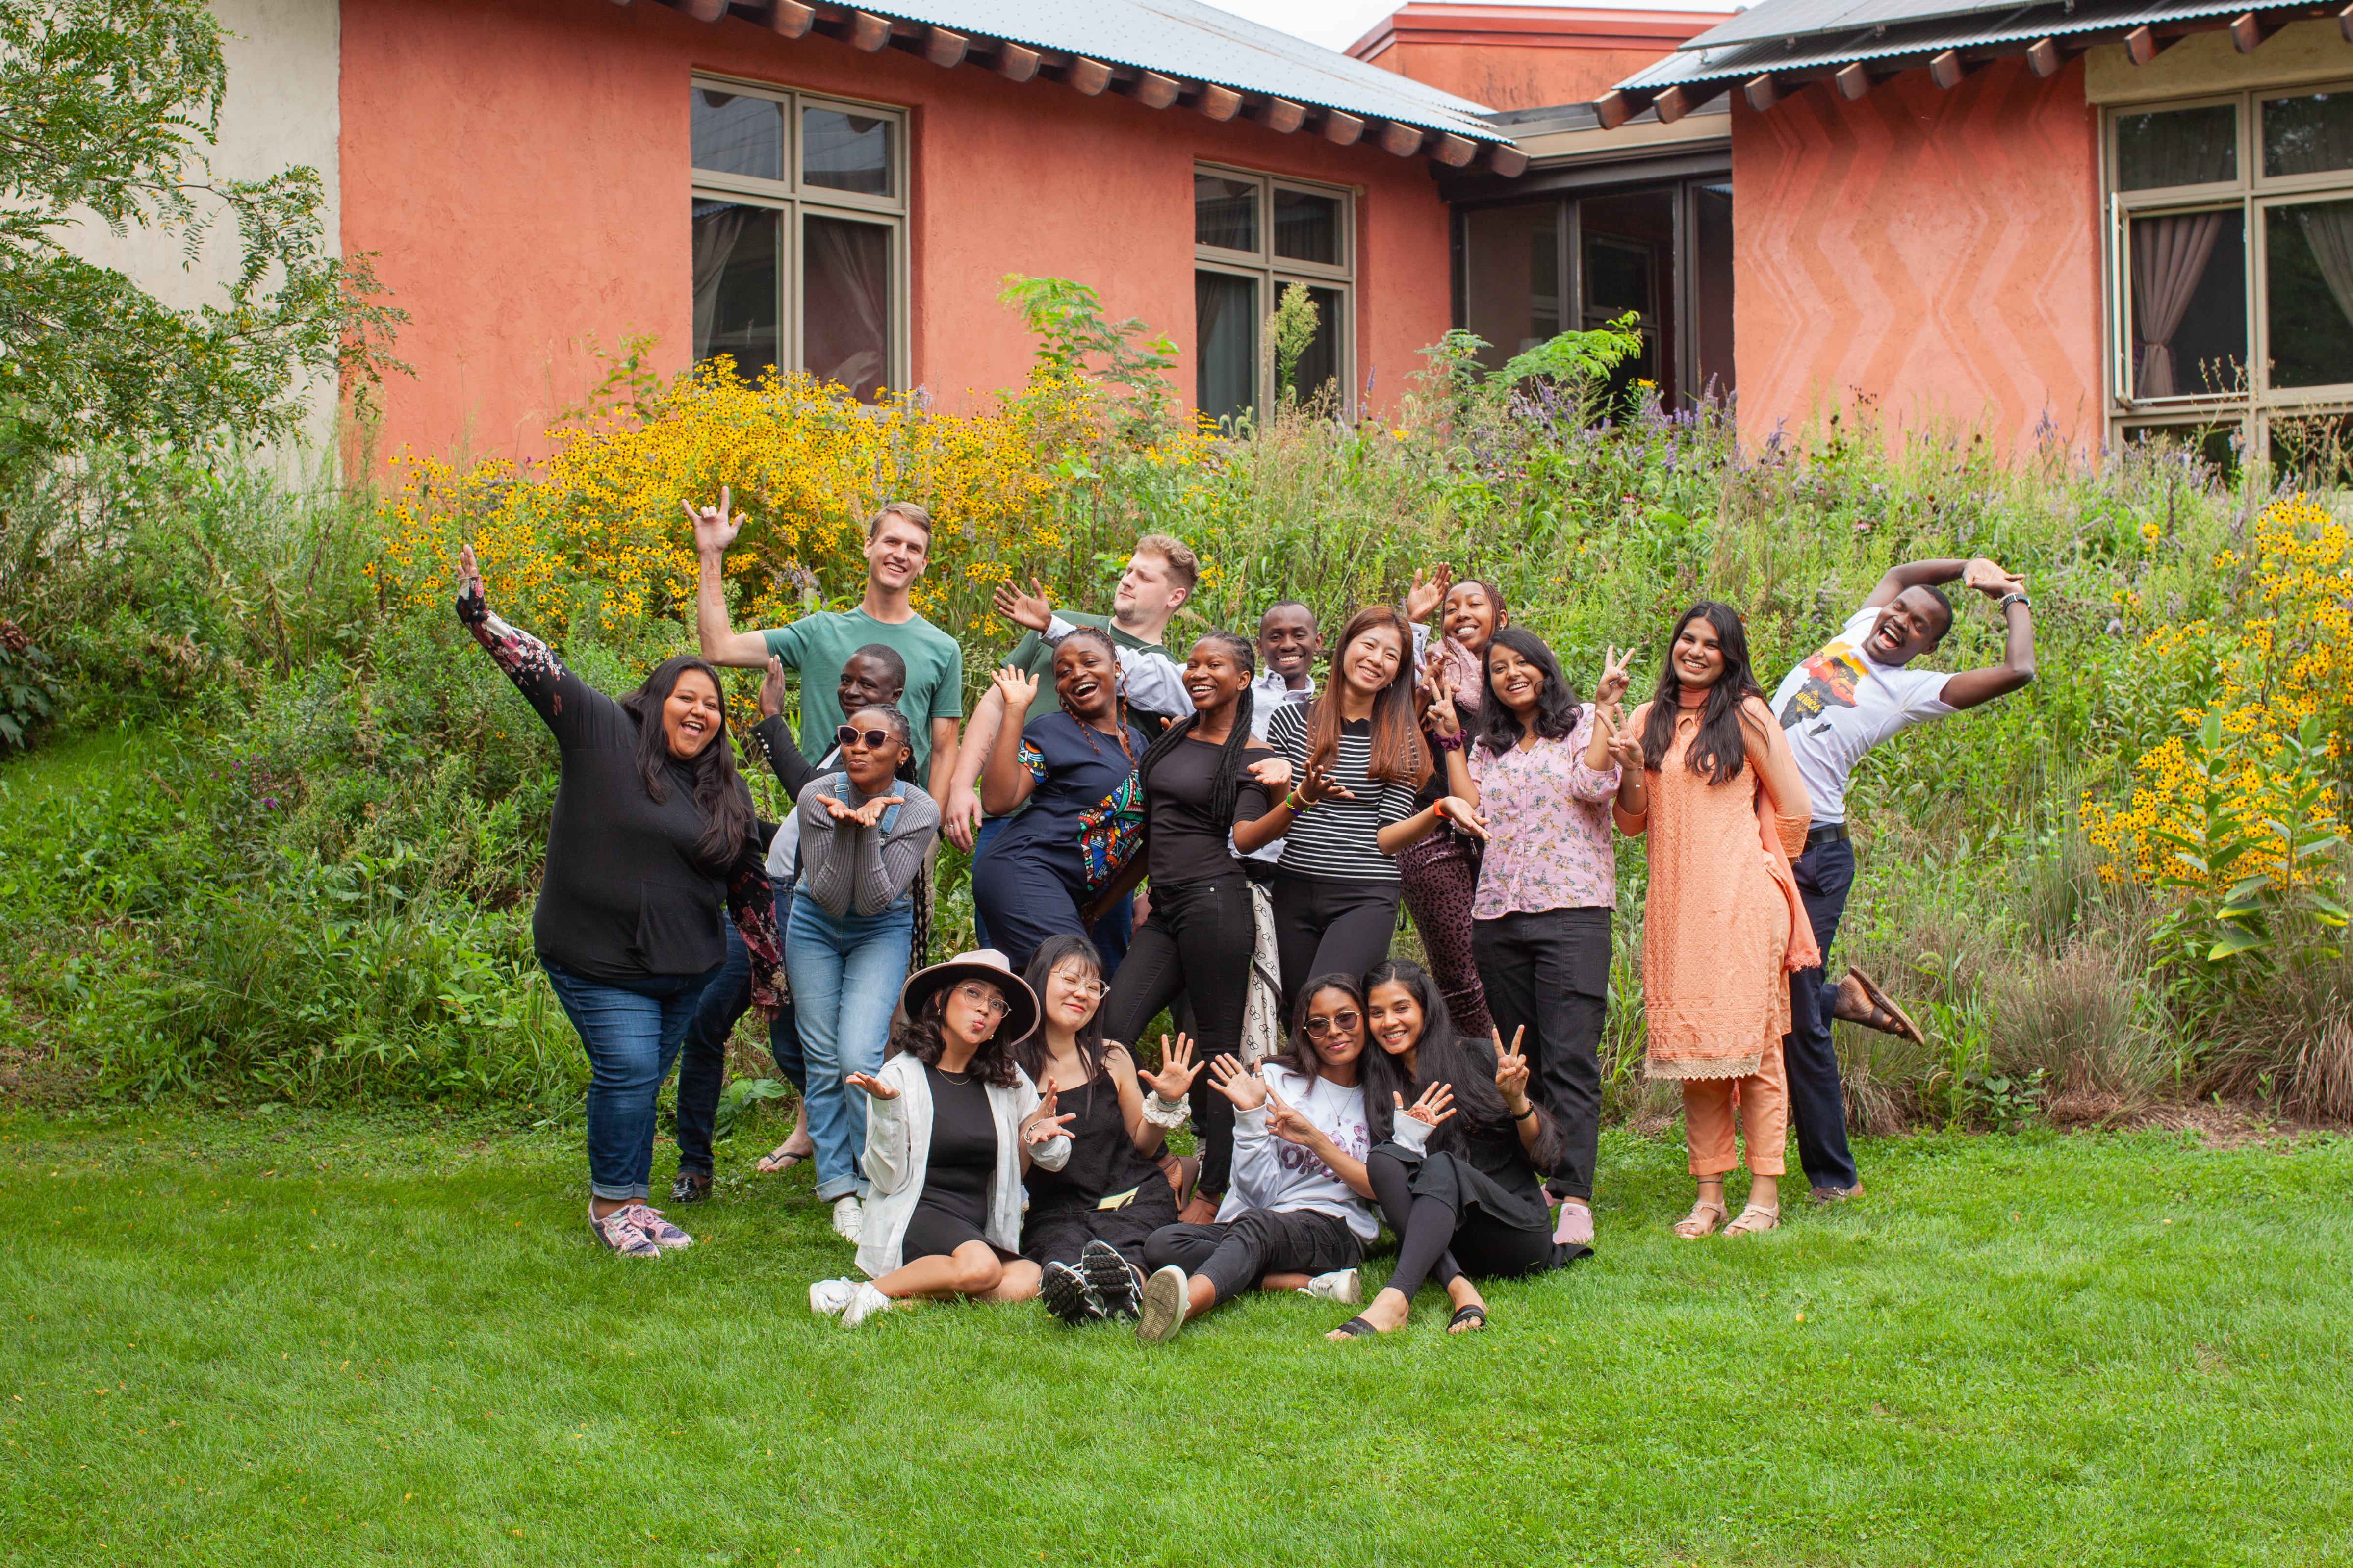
(1933, 575)
(715, 529)
(774, 737)
(960, 808)
(1156, 683)
(1973, 687)
(560, 699)
(1010, 775)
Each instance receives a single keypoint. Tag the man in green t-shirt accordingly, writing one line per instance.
(1159, 578)
(897, 548)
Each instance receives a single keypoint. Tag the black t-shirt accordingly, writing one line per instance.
(963, 1155)
(1182, 844)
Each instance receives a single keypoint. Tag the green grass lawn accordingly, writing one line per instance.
(297, 1338)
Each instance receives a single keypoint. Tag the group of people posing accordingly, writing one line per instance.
(1212, 832)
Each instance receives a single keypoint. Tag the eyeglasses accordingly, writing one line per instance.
(849, 735)
(988, 1003)
(1093, 990)
(1338, 1023)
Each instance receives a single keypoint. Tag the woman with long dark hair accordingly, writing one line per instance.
(651, 843)
(1457, 1143)
(865, 834)
(1068, 768)
(1201, 803)
(1536, 768)
(1358, 759)
(1298, 1215)
(1088, 1221)
(1439, 874)
(954, 1126)
(1708, 782)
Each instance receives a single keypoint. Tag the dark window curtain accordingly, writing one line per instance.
(716, 228)
(1225, 333)
(2170, 257)
(2318, 137)
(2328, 230)
(846, 304)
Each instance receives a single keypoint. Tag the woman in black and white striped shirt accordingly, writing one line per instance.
(1358, 754)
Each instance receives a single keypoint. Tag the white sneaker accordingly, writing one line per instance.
(863, 1303)
(830, 1296)
(1161, 1314)
(1341, 1285)
(848, 1215)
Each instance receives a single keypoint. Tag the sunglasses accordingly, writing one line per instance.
(1338, 1023)
(849, 735)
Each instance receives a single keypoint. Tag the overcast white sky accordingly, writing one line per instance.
(1336, 24)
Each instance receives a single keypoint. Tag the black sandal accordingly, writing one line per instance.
(1355, 1326)
(1474, 1314)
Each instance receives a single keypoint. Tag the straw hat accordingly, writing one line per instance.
(989, 965)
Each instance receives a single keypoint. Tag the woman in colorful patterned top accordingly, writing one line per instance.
(1067, 768)
(1539, 773)
(651, 842)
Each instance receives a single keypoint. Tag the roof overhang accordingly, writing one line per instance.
(1854, 59)
(1531, 27)
(1569, 149)
(1172, 55)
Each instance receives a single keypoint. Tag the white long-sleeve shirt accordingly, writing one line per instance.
(1270, 1173)
(1156, 682)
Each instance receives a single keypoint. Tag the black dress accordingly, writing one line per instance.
(1482, 1171)
(957, 1170)
(1066, 1206)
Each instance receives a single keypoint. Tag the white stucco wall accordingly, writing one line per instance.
(281, 110)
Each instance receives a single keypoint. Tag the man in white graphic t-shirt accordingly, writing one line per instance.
(1851, 695)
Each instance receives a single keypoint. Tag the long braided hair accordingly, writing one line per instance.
(1119, 692)
(1226, 783)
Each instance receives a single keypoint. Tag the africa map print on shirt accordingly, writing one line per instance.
(1832, 676)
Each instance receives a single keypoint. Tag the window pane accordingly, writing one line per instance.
(2308, 279)
(1511, 278)
(2308, 135)
(1712, 286)
(1307, 227)
(2189, 304)
(2177, 147)
(1225, 334)
(1628, 254)
(846, 151)
(731, 134)
(846, 303)
(1319, 361)
(735, 286)
(1224, 212)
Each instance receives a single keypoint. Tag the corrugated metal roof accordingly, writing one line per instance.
(1781, 50)
(1199, 43)
(1778, 19)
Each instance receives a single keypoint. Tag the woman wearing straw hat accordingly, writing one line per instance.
(952, 1125)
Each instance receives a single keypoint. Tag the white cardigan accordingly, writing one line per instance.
(898, 1155)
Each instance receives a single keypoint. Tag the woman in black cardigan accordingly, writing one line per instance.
(651, 843)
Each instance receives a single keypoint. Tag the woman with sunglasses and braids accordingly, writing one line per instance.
(865, 833)
(1068, 768)
(1203, 807)
(1457, 1143)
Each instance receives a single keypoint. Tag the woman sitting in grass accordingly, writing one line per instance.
(1088, 1221)
(1459, 1146)
(953, 1127)
(1297, 1215)
(652, 836)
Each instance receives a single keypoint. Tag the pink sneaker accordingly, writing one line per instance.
(656, 1229)
(1574, 1227)
(615, 1231)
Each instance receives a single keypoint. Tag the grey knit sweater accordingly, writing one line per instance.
(849, 870)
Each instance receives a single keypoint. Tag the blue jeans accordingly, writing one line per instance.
(632, 1034)
(702, 1063)
(1825, 874)
(1109, 933)
(846, 976)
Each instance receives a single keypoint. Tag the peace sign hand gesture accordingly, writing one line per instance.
(1625, 746)
(1237, 1083)
(1017, 687)
(1436, 1104)
(1512, 1071)
(1613, 681)
(1178, 1069)
(1032, 610)
(1438, 687)
(1283, 1123)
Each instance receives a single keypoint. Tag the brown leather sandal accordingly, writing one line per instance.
(1885, 1017)
(1706, 1216)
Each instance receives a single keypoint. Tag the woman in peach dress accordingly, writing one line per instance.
(1707, 780)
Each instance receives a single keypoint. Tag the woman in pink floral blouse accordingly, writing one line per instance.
(1540, 776)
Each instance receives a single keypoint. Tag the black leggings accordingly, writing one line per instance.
(1326, 926)
(1235, 1256)
(1437, 1242)
(1198, 944)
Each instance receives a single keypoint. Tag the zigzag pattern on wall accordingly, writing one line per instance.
(1936, 251)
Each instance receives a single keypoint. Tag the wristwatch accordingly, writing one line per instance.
(2007, 600)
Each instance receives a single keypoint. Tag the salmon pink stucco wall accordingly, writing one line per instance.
(1936, 252)
(520, 168)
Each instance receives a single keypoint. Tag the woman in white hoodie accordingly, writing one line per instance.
(953, 1125)
(1300, 1209)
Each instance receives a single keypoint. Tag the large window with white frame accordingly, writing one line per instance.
(2231, 250)
(1254, 236)
(800, 234)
